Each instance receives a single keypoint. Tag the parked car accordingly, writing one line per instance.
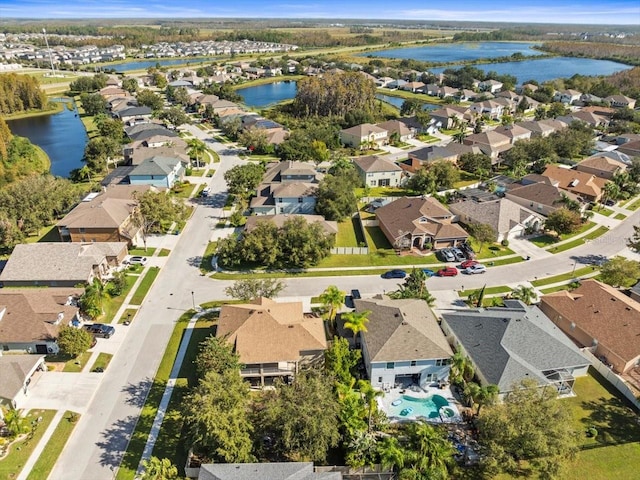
(610, 203)
(468, 251)
(459, 254)
(205, 192)
(473, 269)
(428, 272)
(447, 255)
(468, 263)
(137, 260)
(100, 330)
(355, 294)
(448, 272)
(394, 274)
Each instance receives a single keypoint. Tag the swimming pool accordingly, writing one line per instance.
(421, 407)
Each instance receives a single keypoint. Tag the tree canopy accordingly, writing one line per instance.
(335, 199)
(242, 180)
(74, 341)
(252, 288)
(157, 210)
(620, 272)
(20, 93)
(563, 221)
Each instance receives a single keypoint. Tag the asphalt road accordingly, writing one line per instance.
(96, 447)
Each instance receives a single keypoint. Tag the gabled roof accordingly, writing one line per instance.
(393, 126)
(402, 330)
(540, 193)
(264, 471)
(135, 111)
(603, 163)
(513, 131)
(374, 163)
(264, 331)
(13, 371)
(57, 261)
(363, 130)
(602, 312)
(156, 165)
(502, 214)
(508, 344)
(29, 315)
(575, 181)
(491, 138)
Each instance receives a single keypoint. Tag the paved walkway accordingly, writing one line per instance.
(33, 458)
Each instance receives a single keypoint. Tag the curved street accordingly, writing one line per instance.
(97, 445)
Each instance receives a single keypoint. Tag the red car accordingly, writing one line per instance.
(468, 263)
(448, 272)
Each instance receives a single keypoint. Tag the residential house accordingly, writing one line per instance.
(634, 292)
(134, 115)
(265, 471)
(540, 197)
(450, 152)
(403, 343)
(514, 132)
(630, 148)
(143, 131)
(158, 171)
(527, 87)
(17, 373)
(491, 86)
(466, 95)
(589, 118)
(398, 129)
(509, 344)
(626, 138)
(601, 318)
(411, 86)
(537, 128)
(508, 219)
(384, 81)
(449, 117)
(420, 222)
(620, 101)
(107, 216)
(287, 187)
(49, 264)
(273, 340)
(601, 166)
(585, 185)
(570, 97)
(328, 226)
(490, 142)
(377, 171)
(30, 318)
(364, 136)
(446, 92)
(395, 84)
(588, 99)
(491, 108)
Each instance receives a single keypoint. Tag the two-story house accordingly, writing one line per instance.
(364, 136)
(158, 172)
(376, 171)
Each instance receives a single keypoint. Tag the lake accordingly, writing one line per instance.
(61, 135)
(458, 52)
(545, 69)
(145, 64)
(269, 93)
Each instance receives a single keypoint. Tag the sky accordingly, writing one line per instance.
(614, 12)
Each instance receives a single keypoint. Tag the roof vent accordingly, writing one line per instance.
(396, 315)
(290, 326)
(404, 323)
(574, 182)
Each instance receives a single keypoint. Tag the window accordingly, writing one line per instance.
(390, 365)
(379, 378)
(280, 200)
(413, 363)
(82, 230)
(299, 199)
(441, 362)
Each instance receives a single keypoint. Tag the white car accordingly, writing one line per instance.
(137, 260)
(477, 268)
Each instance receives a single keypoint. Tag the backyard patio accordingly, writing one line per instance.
(430, 403)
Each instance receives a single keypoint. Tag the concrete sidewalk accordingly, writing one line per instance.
(33, 458)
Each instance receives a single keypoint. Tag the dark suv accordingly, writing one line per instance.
(101, 330)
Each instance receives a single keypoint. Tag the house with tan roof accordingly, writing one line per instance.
(491, 108)
(30, 318)
(601, 318)
(540, 197)
(491, 143)
(568, 96)
(17, 372)
(447, 117)
(287, 188)
(620, 101)
(537, 128)
(61, 264)
(376, 171)
(363, 136)
(403, 343)
(419, 222)
(273, 340)
(107, 216)
(515, 132)
(585, 185)
(398, 128)
(601, 166)
(508, 219)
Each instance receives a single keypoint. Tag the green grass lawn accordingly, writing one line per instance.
(505, 261)
(182, 190)
(47, 234)
(144, 252)
(209, 253)
(489, 251)
(140, 434)
(381, 192)
(12, 464)
(198, 172)
(77, 364)
(376, 240)
(102, 361)
(128, 315)
(603, 211)
(620, 216)
(580, 241)
(564, 277)
(170, 441)
(466, 179)
(327, 273)
(111, 305)
(633, 206)
(379, 259)
(543, 241)
(164, 252)
(144, 286)
(487, 291)
(349, 234)
(47, 459)
(558, 288)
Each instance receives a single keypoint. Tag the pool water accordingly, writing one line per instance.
(422, 407)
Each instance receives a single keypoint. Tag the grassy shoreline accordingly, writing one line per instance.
(56, 108)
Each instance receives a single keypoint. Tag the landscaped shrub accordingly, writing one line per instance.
(504, 243)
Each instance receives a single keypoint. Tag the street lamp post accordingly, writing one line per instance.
(44, 32)
(574, 268)
(193, 299)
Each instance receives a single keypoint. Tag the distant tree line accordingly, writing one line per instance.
(629, 54)
(20, 93)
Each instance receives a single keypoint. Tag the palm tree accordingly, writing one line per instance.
(461, 369)
(431, 452)
(459, 136)
(369, 395)
(611, 191)
(391, 453)
(332, 300)
(487, 395)
(356, 322)
(526, 294)
(196, 148)
(158, 469)
(471, 392)
(14, 422)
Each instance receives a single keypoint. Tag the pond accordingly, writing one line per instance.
(62, 136)
(262, 95)
(458, 52)
(145, 64)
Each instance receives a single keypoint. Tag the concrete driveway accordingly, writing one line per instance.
(63, 391)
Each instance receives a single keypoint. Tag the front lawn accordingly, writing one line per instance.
(347, 233)
(102, 361)
(77, 364)
(144, 286)
(128, 315)
(580, 241)
(602, 211)
(543, 241)
(20, 451)
(143, 252)
(376, 240)
(633, 206)
(620, 216)
(111, 305)
(489, 251)
(209, 253)
(47, 459)
(379, 259)
(564, 277)
(487, 291)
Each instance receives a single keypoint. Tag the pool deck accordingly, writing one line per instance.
(384, 402)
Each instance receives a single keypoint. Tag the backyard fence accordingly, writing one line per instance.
(618, 383)
(349, 251)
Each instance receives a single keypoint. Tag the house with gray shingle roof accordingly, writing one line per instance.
(264, 471)
(508, 344)
(61, 264)
(16, 372)
(508, 219)
(403, 343)
(158, 171)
